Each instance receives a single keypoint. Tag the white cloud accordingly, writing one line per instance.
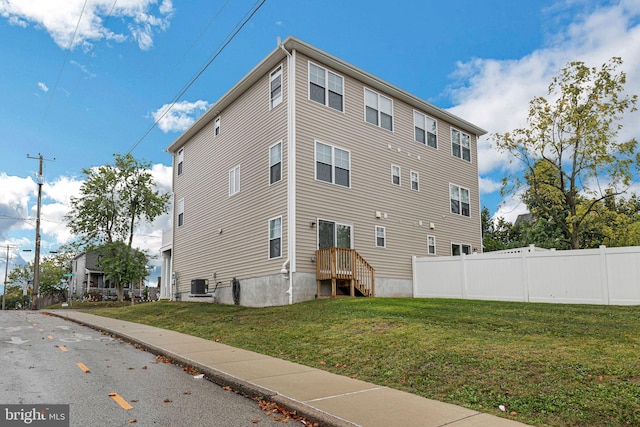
(14, 202)
(18, 210)
(495, 94)
(488, 185)
(43, 87)
(60, 19)
(510, 208)
(179, 116)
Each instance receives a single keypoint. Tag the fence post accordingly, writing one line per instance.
(604, 274)
(525, 276)
(463, 266)
(415, 274)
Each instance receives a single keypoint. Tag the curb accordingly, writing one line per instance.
(245, 388)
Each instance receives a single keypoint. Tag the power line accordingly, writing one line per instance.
(254, 9)
(204, 30)
(66, 57)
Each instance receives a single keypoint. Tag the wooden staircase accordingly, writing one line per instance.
(344, 268)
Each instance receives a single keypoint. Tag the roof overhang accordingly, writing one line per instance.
(293, 44)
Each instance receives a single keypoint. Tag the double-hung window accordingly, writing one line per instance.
(378, 109)
(426, 129)
(381, 239)
(333, 165)
(275, 163)
(216, 127)
(460, 145)
(275, 87)
(234, 181)
(395, 175)
(459, 197)
(326, 87)
(431, 245)
(180, 212)
(275, 237)
(180, 160)
(415, 181)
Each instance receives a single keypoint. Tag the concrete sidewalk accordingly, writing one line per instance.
(320, 396)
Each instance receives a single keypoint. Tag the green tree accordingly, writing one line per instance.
(570, 153)
(613, 222)
(497, 234)
(113, 201)
(52, 270)
(15, 298)
(121, 264)
(540, 232)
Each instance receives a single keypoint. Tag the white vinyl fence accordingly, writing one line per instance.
(609, 276)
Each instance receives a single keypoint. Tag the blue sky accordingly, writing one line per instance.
(82, 80)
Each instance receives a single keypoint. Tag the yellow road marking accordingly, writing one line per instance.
(83, 367)
(120, 401)
(63, 348)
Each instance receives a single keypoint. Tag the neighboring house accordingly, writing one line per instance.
(87, 277)
(88, 280)
(311, 174)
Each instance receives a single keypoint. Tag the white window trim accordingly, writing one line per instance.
(417, 180)
(333, 164)
(461, 245)
(378, 109)
(384, 236)
(234, 177)
(180, 164)
(461, 156)
(326, 86)
(426, 133)
(434, 245)
(335, 235)
(399, 175)
(269, 238)
(180, 211)
(216, 127)
(273, 103)
(460, 188)
(281, 164)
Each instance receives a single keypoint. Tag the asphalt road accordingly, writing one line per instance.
(45, 359)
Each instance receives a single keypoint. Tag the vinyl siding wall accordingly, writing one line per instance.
(406, 213)
(229, 235)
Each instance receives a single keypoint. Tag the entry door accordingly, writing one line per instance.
(332, 234)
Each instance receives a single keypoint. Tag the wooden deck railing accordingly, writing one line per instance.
(341, 264)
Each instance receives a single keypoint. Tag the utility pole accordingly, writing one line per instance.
(36, 261)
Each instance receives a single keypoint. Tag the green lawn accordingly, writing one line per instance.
(559, 365)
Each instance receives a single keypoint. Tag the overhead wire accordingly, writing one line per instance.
(86, 65)
(204, 30)
(254, 9)
(66, 57)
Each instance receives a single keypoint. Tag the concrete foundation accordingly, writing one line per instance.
(273, 290)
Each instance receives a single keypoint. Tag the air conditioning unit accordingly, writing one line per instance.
(199, 288)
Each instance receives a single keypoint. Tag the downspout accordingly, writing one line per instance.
(290, 263)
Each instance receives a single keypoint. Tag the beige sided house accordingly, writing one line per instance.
(311, 177)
